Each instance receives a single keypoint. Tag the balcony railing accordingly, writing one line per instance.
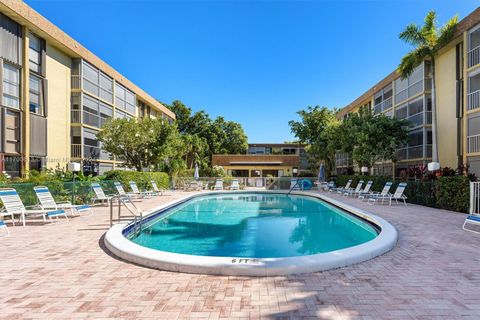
(76, 116)
(474, 56)
(473, 143)
(382, 106)
(76, 82)
(414, 152)
(76, 151)
(473, 100)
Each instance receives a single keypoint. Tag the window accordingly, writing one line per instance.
(401, 112)
(122, 115)
(382, 100)
(11, 86)
(474, 47)
(12, 132)
(95, 113)
(124, 99)
(413, 85)
(91, 147)
(97, 83)
(35, 53)
(36, 95)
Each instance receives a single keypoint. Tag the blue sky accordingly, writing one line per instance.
(254, 62)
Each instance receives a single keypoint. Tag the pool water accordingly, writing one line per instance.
(254, 225)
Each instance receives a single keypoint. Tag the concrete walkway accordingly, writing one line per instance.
(62, 271)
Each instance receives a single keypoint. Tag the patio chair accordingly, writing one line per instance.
(372, 196)
(328, 186)
(13, 205)
(155, 188)
(135, 190)
(48, 203)
(218, 185)
(235, 185)
(340, 189)
(99, 194)
(350, 192)
(3, 226)
(398, 195)
(121, 192)
(365, 190)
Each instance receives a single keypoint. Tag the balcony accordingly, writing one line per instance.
(76, 82)
(76, 151)
(420, 119)
(415, 152)
(473, 143)
(382, 106)
(473, 100)
(474, 57)
(76, 116)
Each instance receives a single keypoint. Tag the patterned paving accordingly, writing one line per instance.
(62, 271)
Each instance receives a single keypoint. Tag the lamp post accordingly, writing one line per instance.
(74, 167)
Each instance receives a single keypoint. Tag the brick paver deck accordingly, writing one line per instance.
(62, 271)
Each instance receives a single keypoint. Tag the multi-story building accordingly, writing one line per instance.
(56, 95)
(265, 159)
(457, 76)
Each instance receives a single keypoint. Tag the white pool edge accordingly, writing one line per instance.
(125, 249)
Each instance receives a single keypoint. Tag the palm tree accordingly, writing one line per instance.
(427, 40)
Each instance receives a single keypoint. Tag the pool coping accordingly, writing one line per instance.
(123, 248)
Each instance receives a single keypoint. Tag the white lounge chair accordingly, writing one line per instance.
(365, 190)
(398, 195)
(48, 203)
(99, 194)
(235, 185)
(13, 205)
(155, 188)
(121, 192)
(218, 185)
(341, 189)
(135, 190)
(349, 192)
(374, 195)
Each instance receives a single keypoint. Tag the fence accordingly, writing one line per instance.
(78, 192)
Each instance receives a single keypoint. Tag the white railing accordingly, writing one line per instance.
(473, 100)
(76, 151)
(474, 56)
(474, 198)
(76, 116)
(473, 143)
(76, 82)
(387, 104)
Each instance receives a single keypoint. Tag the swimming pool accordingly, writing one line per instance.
(253, 233)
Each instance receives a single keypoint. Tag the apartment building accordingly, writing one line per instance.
(265, 159)
(457, 76)
(56, 95)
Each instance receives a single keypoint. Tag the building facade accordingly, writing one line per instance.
(56, 95)
(457, 77)
(265, 160)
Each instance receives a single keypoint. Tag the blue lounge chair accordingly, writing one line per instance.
(48, 203)
(353, 192)
(398, 195)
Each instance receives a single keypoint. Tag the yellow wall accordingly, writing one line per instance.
(446, 108)
(58, 127)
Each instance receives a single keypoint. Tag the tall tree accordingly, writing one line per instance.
(427, 40)
(317, 128)
(142, 143)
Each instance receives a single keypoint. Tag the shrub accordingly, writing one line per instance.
(453, 193)
(141, 178)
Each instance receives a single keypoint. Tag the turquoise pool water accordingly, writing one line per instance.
(254, 225)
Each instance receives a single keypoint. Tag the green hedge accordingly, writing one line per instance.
(453, 193)
(141, 178)
(450, 193)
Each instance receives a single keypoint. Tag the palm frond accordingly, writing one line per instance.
(412, 34)
(412, 60)
(446, 32)
(429, 29)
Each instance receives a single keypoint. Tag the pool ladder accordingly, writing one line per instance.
(297, 184)
(125, 201)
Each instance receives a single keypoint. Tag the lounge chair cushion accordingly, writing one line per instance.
(82, 207)
(474, 218)
(55, 213)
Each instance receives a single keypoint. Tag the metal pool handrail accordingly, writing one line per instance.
(135, 211)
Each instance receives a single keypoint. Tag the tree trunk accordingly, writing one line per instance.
(434, 116)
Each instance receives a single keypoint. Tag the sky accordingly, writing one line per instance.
(253, 62)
